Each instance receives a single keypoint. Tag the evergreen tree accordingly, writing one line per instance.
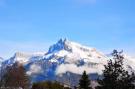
(84, 82)
(16, 77)
(114, 75)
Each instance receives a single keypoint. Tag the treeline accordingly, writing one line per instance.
(114, 77)
(48, 85)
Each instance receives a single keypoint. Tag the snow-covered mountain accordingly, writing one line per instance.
(75, 58)
(64, 59)
(24, 58)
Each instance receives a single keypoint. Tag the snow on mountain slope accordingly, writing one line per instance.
(75, 57)
(64, 57)
(74, 52)
(129, 63)
(24, 58)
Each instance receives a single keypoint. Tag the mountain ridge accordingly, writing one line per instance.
(63, 58)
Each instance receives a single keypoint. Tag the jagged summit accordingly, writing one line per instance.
(60, 45)
(64, 44)
(73, 50)
(75, 58)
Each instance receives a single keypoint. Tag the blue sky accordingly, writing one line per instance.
(33, 25)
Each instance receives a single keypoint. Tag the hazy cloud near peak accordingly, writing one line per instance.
(34, 69)
(63, 68)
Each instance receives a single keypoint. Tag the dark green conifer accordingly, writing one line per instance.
(84, 82)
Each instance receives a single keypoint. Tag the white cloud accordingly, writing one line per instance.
(63, 68)
(34, 69)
